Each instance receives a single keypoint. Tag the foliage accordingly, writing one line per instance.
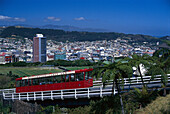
(143, 97)
(105, 104)
(137, 61)
(52, 63)
(161, 66)
(112, 71)
(19, 64)
(130, 105)
(80, 110)
(162, 54)
(49, 110)
(69, 63)
(4, 109)
(4, 81)
(159, 106)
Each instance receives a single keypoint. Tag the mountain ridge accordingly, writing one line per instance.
(61, 35)
(60, 27)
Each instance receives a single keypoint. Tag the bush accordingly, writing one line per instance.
(49, 110)
(19, 64)
(143, 97)
(80, 110)
(106, 104)
(4, 81)
(4, 109)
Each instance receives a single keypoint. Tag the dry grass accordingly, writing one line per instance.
(159, 106)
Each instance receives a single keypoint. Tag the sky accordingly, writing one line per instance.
(150, 17)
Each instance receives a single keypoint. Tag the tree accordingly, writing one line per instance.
(4, 81)
(143, 96)
(114, 71)
(9, 74)
(162, 54)
(161, 68)
(137, 61)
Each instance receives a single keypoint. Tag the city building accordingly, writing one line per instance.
(39, 48)
(59, 55)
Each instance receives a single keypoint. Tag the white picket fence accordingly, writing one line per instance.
(96, 91)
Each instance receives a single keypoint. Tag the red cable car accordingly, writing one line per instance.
(55, 81)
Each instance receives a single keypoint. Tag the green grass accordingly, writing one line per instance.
(77, 68)
(27, 71)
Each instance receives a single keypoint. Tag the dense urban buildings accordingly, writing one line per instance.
(39, 48)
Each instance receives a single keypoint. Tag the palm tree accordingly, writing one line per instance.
(143, 96)
(162, 54)
(137, 61)
(161, 68)
(113, 71)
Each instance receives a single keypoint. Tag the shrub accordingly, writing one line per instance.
(80, 110)
(106, 104)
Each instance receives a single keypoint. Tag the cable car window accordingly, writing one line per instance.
(26, 82)
(46, 80)
(90, 74)
(72, 79)
(23, 83)
(42, 81)
(50, 80)
(57, 79)
(80, 76)
(30, 82)
(35, 81)
(67, 78)
(62, 78)
(18, 84)
(86, 75)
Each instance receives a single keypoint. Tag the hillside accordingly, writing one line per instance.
(60, 35)
(159, 106)
(165, 38)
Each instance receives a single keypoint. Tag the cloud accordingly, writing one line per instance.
(79, 19)
(53, 18)
(7, 18)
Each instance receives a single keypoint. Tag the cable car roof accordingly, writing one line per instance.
(55, 74)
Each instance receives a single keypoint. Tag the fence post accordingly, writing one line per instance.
(75, 94)
(13, 97)
(51, 95)
(114, 89)
(27, 97)
(19, 96)
(34, 96)
(100, 91)
(88, 93)
(3, 95)
(62, 94)
(42, 96)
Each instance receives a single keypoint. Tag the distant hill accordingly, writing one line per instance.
(165, 38)
(61, 27)
(61, 35)
(71, 28)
